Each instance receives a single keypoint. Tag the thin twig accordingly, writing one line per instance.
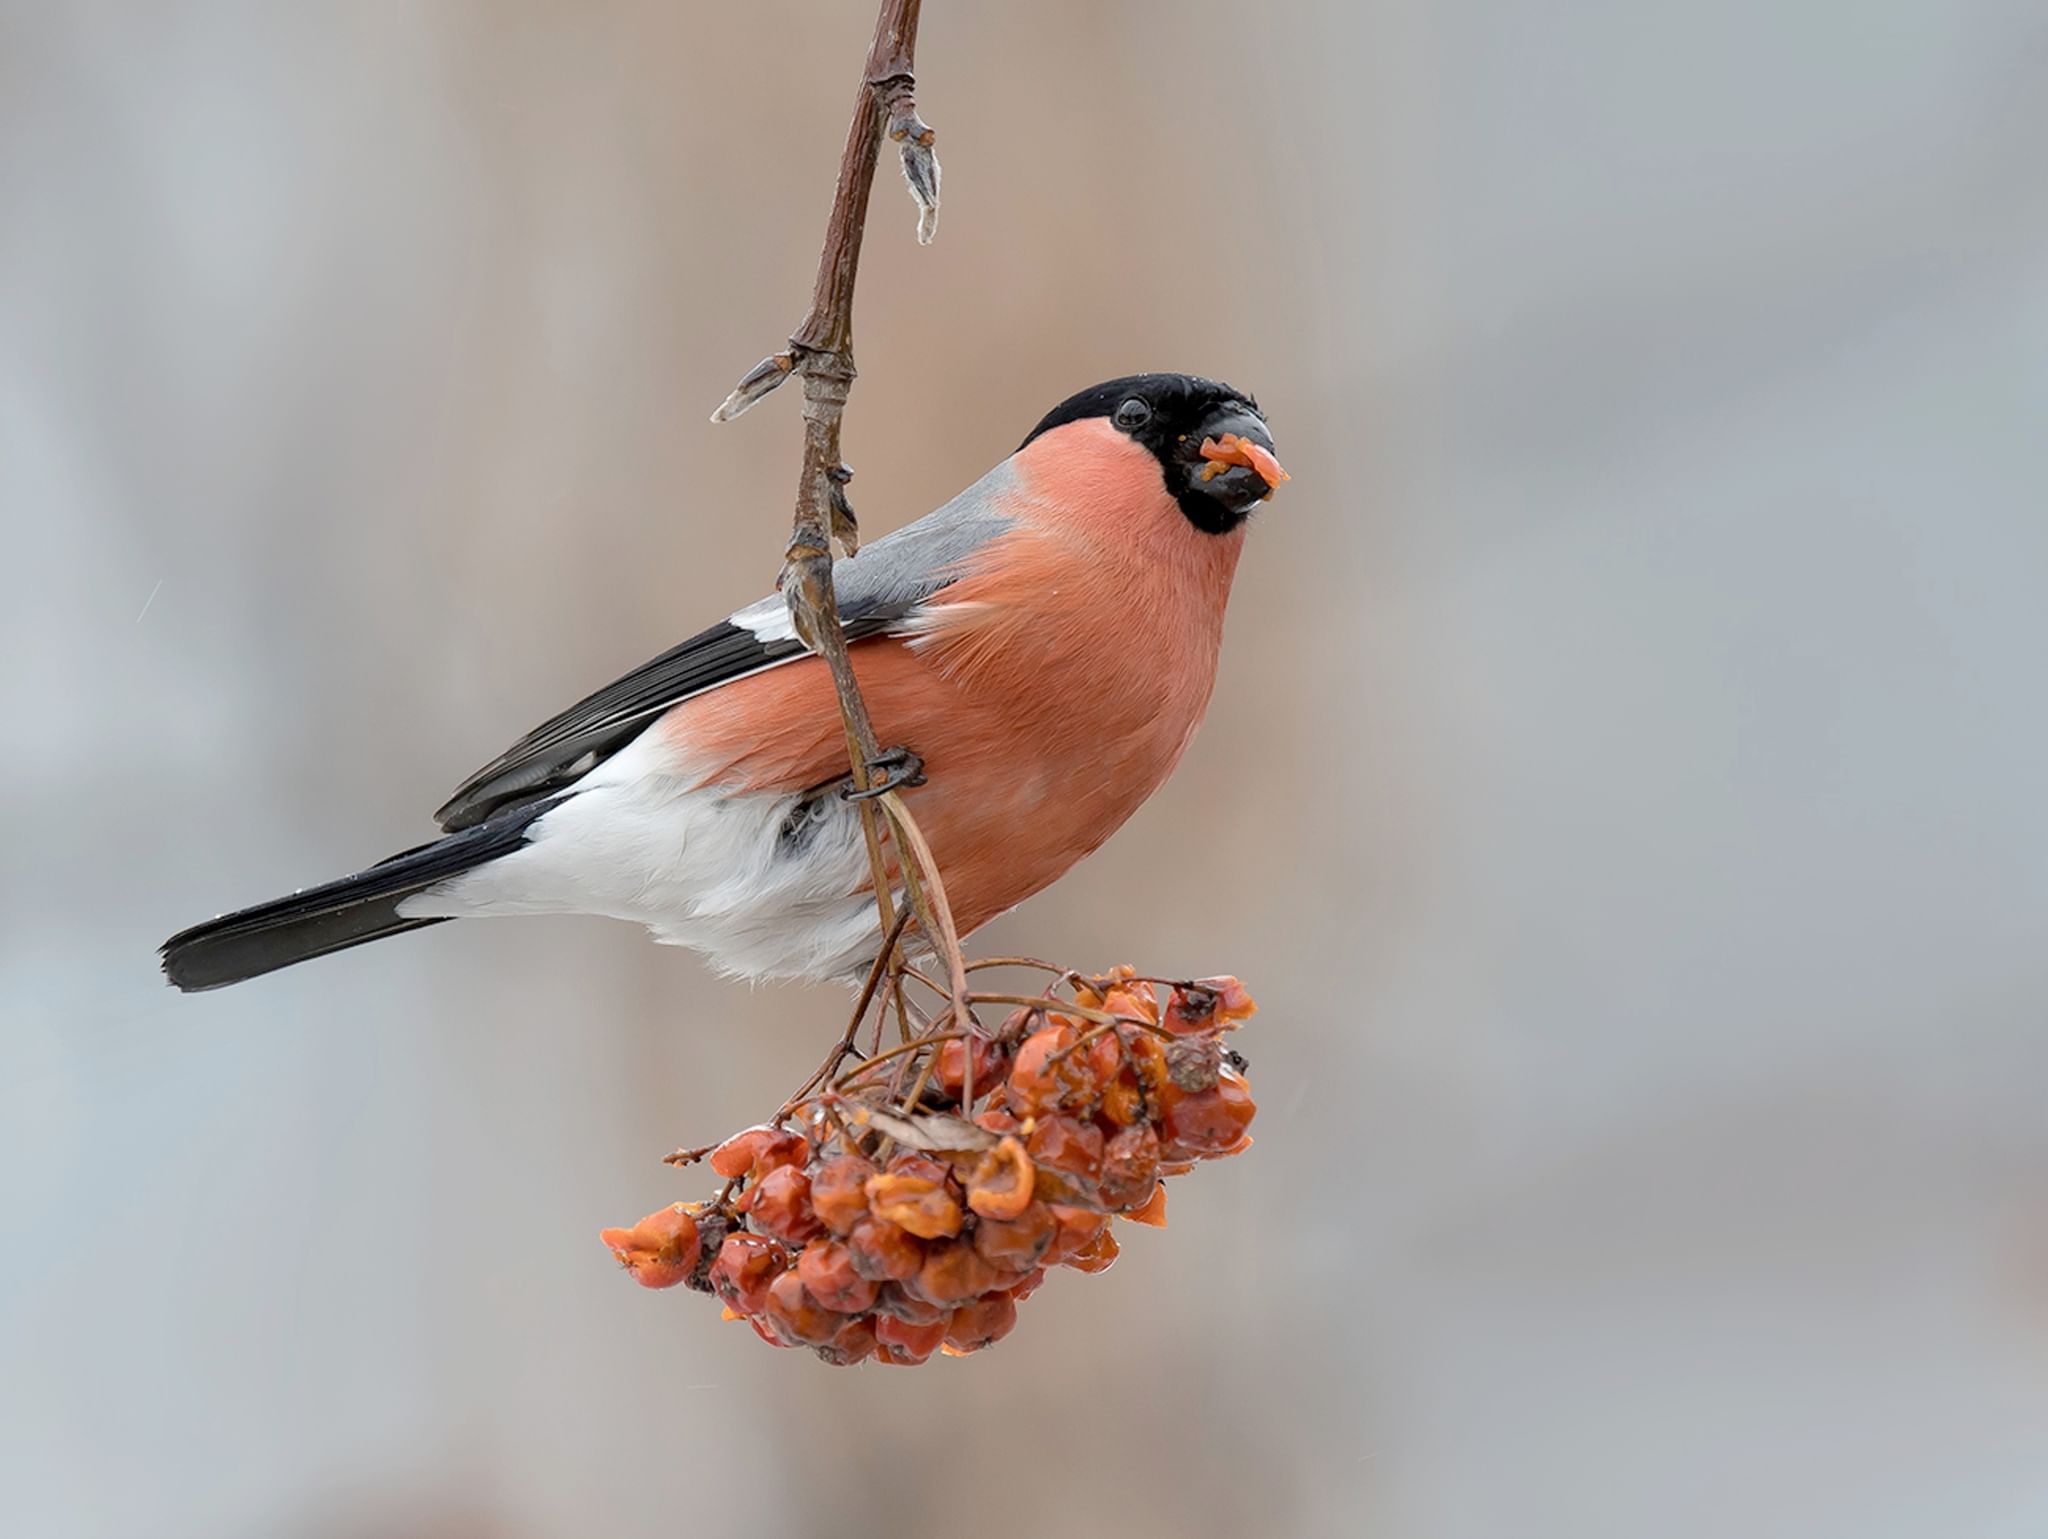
(821, 351)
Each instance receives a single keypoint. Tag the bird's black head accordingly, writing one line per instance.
(1210, 440)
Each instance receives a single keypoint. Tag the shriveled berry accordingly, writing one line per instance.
(981, 1323)
(1233, 1001)
(795, 1316)
(839, 1191)
(1207, 1120)
(955, 1272)
(1130, 1167)
(855, 1343)
(1068, 1145)
(924, 1207)
(661, 1250)
(826, 1267)
(913, 1342)
(997, 1119)
(1152, 1211)
(1078, 1228)
(1045, 1075)
(1178, 1167)
(898, 1302)
(1098, 1255)
(1239, 1147)
(1192, 1063)
(758, 1150)
(746, 1265)
(780, 1205)
(879, 1250)
(1000, 1187)
(909, 1162)
(1033, 1281)
(991, 1064)
(1123, 1104)
(1017, 1244)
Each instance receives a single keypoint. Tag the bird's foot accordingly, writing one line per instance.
(891, 769)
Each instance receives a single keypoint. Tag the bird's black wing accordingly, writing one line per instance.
(567, 745)
(876, 590)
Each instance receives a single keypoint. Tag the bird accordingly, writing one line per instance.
(1038, 652)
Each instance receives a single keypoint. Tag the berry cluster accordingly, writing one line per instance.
(926, 1193)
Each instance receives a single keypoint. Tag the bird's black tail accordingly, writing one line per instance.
(338, 914)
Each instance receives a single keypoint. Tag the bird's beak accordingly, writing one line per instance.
(1237, 464)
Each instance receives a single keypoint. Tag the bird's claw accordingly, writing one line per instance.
(895, 767)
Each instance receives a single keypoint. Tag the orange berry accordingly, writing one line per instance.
(826, 1267)
(795, 1316)
(855, 1343)
(661, 1250)
(1123, 1104)
(991, 1063)
(1078, 1229)
(780, 1205)
(1130, 1167)
(1017, 1244)
(1207, 1121)
(913, 1343)
(982, 1323)
(879, 1250)
(924, 1207)
(955, 1272)
(1001, 1185)
(839, 1191)
(758, 1150)
(997, 1119)
(1033, 1281)
(746, 1265)
(1152, 1211)
(1040, 1079)
(1068, 1145)
(898, 1302)
(1099, 1255)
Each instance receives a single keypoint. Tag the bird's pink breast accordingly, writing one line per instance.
(1056, 688)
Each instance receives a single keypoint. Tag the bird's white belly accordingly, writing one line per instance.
(720, 872)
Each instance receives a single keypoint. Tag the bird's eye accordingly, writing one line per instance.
(1134, 413)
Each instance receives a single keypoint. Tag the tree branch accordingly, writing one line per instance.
(821, 351)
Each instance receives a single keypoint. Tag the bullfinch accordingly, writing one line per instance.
(1038, 653)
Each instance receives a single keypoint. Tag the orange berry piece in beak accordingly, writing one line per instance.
(1232, 450)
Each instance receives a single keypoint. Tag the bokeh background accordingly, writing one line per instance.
(1624, 790)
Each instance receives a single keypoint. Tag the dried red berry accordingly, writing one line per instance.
(661, 1250)
(839, 1191)
(991, 1064)
(1098, 1255)
(795, 1316)
(1152, 1211)
(1130, 1167)
(826, 1267)
(780, 1205)
(758, 1150)
(1068, 1145)
(906, 1343)
(1017, 1244)
(1000, 1187)
(954, 1272)
(898, 1302)
(880, 1250)
(1045, 1075)
(855, 1343)
(746, 1265)
(1206, 1121)
(981, 1323)
(922, 1206)
(1078, 1229)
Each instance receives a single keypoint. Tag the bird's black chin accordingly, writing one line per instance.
(1217, 496)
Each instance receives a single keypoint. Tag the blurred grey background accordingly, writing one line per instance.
(1624, 790)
